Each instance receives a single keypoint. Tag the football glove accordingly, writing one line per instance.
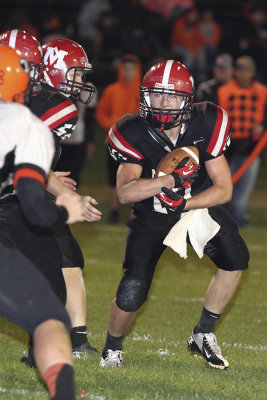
(184, 175)
(172, 200)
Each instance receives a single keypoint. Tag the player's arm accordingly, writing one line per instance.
(56, 187)
(221, 190)
(40, 210)
(35, 202)
(63, 176)
(131, 188)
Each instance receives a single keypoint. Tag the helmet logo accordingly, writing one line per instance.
(54, 55)
(169, 86)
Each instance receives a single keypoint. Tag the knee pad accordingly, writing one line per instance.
(131, 294)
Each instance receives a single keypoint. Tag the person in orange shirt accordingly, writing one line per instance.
(119, 98)
(245, 100)
(187, 43)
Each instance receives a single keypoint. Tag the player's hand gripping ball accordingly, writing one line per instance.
(182, 163)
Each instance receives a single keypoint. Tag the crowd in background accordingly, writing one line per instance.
(208, 38)
(194, 31)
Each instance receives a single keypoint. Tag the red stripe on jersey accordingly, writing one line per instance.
(121, 144)
(56, 109)
(227, 130)
(28, 173)
(216, 131)
(63, 119)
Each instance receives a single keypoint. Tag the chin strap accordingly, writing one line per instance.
(161, 128)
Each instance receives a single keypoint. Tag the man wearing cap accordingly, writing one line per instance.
(245, 100)
(222, 73)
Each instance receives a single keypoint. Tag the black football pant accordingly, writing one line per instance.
(144, 247)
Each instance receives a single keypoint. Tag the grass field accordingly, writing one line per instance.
(157, 364)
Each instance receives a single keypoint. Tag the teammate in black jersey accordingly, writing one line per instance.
(65, 66)
(168, 120)
(27, 298)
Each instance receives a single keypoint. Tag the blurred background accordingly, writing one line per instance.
(195, 32)
(107, 29)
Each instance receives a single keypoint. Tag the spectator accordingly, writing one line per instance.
(222, 73)
(52, 28)
(119, 98)
(88, 18)
(168, 8)
(140, 41)
(245, 100)
(187, 43)
(252, 39)
(109, 47)
(211, 35)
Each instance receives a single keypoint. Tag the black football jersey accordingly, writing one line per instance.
(132, 140)
(58, 112)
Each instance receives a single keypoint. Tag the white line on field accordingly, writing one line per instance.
(189, 299)
(245, 346)
(96, 261)
(24, 392)
(19, 392)
(89, 260)
(106, 238)
(149, 338)
(175, 343)
(257, 248)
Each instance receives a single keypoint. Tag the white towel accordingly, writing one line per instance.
(200, 227)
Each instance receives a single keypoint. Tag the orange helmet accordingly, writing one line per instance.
(14, 75)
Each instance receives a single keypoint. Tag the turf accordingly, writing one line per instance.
(156, 363)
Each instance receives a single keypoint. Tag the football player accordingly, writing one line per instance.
(65, 65)
(27, 299)
(168, 120)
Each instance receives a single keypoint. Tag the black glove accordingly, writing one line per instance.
(184, 175)
(171, 199)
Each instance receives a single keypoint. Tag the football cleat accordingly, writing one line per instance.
(85, 348)
(29, 359)
(206, 345)
(111, 358)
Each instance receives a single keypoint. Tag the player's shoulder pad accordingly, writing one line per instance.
(58, 112)
(49, 97)
(124, 138)
(217, 125)
(129, 125)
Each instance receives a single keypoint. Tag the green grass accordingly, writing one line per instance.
(157, 364)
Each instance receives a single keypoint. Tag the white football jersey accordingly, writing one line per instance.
(25, 142)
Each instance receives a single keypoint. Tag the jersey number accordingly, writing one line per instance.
(157, 204)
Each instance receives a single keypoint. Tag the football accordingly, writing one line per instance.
(168, 163)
